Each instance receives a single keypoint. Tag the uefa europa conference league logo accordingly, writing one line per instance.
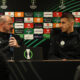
(4, 6)
(62, 6)
(33, 6)
(28, 54)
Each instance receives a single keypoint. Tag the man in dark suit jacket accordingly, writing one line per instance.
(66, 43)
(7, 39)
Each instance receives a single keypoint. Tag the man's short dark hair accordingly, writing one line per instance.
(68, 15)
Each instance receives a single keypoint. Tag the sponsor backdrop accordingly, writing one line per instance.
(34, 25)
(37, 25)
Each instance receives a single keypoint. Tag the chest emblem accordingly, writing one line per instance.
(62, 43)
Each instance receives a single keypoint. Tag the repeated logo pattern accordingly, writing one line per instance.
(37, 25)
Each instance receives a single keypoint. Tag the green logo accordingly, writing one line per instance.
(26, 54)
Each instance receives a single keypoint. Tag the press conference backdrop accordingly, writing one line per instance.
(35, 25)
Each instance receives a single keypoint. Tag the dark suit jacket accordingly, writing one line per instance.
(64, 46)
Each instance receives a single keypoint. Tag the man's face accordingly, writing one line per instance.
(8, 25)
(65, 24)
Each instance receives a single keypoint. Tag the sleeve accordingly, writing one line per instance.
(52, 50)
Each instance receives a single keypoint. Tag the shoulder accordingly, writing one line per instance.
(77, 33)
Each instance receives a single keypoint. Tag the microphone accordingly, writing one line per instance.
(11, 47)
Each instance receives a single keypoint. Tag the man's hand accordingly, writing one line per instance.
(13, 42)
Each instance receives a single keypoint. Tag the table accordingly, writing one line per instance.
(43, 70)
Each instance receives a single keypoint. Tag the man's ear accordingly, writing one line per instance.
(72, 23)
